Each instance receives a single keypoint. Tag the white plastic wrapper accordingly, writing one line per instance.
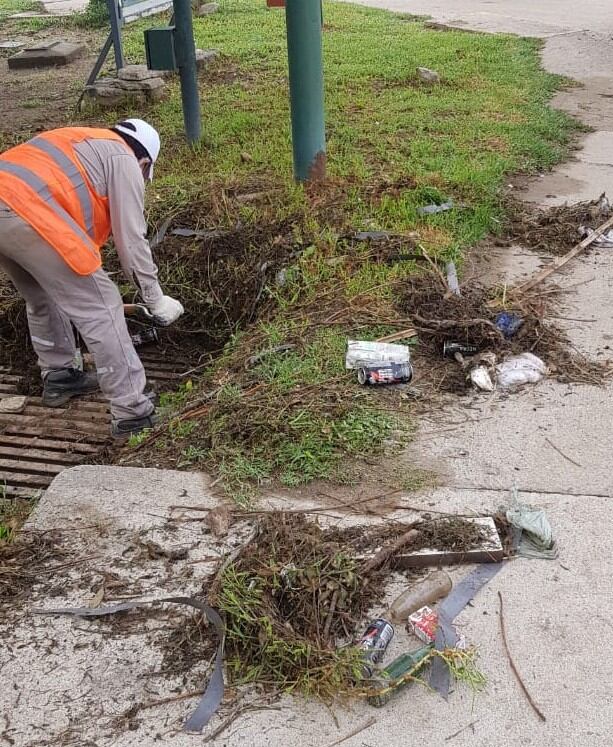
(520, 369)
(481, 379)
(364, 353)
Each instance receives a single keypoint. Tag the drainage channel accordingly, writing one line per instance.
(39, 443)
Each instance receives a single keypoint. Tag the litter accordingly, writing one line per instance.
(520, 369)
(432, 588)
(371, 235)
(374, 643)
(390, 373)
(398, 674)
(536, 539)
(481, 379)
(361, 353)
(451, 349)
(605, 241)
(423, 624)
(509, 323)
(452, 279)
(433, 209)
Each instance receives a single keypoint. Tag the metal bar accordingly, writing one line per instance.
(116, 32)
(304, 54)
(104, 52)
(42, 468)
(41, 455)
(186, 60)
(49, 444)
(66, 433)
(15, 479)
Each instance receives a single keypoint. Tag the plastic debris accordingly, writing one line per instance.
(536, 539)
(481, 379)
(364, 353)
(433, 208)
(436, 585)
(452, 279)
(509, 323)
(371, 235)
(604, 242)
(520, 369)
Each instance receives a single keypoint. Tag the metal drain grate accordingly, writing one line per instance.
(40, 442)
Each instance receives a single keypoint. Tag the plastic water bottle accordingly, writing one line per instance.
(433, 587)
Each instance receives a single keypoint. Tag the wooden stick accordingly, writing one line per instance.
(561, 261)
(385, 553)
(371, 721)
(512, 663)
(403, 334)
(561, 453)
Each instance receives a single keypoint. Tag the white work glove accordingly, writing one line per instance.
(166, 310)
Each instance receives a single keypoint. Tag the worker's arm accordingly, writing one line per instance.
(126, 195)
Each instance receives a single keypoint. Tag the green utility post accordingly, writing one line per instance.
(306, 85)
(185, 51)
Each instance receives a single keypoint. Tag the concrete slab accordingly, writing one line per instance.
(50, 54)
(81, 678)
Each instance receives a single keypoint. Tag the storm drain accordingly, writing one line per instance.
(38, 443)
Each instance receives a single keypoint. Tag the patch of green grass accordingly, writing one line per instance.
(13, 513)
(10, 7)
(394, 145)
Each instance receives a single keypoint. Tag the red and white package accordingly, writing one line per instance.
(423, 624)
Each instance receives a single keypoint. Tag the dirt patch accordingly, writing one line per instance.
(35, 100)
(553, 230)
(31, 558)
(470, 319)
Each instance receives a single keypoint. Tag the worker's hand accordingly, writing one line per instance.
(166, 310)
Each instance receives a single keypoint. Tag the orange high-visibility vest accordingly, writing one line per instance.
(44, 182)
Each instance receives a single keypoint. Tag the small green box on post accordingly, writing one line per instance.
(160, 48)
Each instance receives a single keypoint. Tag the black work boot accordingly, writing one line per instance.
(133, 426)
(62, 385)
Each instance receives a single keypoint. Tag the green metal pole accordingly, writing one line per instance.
(306, 85)
(185, 51)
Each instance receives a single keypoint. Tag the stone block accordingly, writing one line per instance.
(136, 72)
(49, 54)
(428, 76)
(152, 84)
(205, 56)
(207, 9)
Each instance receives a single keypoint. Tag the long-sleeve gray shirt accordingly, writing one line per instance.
(114, 173)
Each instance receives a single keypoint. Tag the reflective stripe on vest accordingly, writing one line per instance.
(44, 192)
(76, 179)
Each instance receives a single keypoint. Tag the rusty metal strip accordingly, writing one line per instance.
(39, 443)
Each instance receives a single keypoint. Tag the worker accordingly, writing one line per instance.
(62, 194)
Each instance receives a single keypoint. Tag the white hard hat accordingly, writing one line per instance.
(144, 134)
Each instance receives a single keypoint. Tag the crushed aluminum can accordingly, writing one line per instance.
(385, 373)
(145, 336)
(374, 643)
(452, 348)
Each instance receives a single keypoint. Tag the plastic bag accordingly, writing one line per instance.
(481, 379)
(520, 369)
(537, 535)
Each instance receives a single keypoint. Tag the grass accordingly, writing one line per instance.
(394, 145)
(10, 7)
(13, 514)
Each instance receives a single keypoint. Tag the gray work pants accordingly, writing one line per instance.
(56, 297)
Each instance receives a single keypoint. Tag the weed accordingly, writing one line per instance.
(136, 439)
(190, 456)
(182, 428)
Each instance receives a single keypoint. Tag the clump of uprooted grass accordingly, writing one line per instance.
(295, 599)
